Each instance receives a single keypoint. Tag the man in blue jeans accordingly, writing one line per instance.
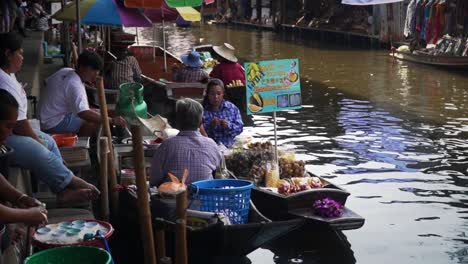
(34, 150)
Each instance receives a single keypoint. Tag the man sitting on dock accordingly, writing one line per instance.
(188, 150)
(64, 107)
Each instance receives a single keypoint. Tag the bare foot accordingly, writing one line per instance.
(78, 183)
(76, 195)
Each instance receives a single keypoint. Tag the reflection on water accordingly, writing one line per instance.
(394, 134)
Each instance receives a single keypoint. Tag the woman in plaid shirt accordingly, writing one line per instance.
(221, 119)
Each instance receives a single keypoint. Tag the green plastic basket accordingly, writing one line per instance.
(70, 255)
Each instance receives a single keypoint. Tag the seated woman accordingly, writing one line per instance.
(122, 70)
(228, 70)
(29, 211)
(222, 120)
(35, 150)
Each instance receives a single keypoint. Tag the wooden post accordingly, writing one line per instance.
(103, 181)
(143, 201)
(181, 232)
(165, 260)
(160, 244)
(114, 196)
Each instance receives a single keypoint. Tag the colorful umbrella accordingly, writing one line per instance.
(103, 12)
(184, 3)
(156, 14)
(189, 13)
(144, 3)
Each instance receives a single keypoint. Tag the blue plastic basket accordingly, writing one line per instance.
(230, 197)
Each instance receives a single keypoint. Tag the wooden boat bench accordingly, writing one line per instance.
(175, 91)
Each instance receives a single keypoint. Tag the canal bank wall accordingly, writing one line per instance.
(376, 26)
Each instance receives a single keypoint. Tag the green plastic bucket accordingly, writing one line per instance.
(70, 255)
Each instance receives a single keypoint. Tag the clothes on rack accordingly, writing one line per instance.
(427, 20)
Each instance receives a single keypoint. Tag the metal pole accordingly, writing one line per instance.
(78, 25)
(154, 43)
(276, 138)
(138, 38)
(65, 40)
(164, 39)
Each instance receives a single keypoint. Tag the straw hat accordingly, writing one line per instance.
(226, 51)
(192, 59)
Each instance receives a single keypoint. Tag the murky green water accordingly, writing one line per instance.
(393, 134)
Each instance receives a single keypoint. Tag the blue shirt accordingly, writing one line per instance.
(229, 112)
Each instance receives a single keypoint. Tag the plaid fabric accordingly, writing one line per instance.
(189, 74)
(229, 112)
(188, 150)
(122, 71)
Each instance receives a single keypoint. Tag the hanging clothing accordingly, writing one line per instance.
(427, 11)
(430, 22)
(410, 18)
(439, 22)
(420, 17)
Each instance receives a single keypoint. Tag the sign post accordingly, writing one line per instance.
(272, 86)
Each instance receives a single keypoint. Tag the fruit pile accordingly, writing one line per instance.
(328, 208)
(255, 161)
(235, 83)
(251, 163)
(291, 168)
(207, 64)
(295, 185)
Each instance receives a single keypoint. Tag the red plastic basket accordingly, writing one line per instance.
(65, 140)
(92, 243)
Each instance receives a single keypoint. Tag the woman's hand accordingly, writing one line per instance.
(215, 121)
(27, 202)
(35, 216)
(224, 123)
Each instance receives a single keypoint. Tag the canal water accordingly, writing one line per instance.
(393, 134)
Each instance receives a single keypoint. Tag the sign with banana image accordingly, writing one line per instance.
(272, 86)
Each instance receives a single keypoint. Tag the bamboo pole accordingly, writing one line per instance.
(160, 244)
(181, 232)
(104, 184)
(114, 196)
(142, 200)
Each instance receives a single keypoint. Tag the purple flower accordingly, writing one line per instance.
(328, 208)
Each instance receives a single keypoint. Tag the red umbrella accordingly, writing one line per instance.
(156, 14)
(144, 3)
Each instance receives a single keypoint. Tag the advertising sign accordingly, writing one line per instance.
(272, 86)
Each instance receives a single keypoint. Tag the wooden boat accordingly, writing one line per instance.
(299, 205)
(425, 58)
(151, 61)
(212, 241)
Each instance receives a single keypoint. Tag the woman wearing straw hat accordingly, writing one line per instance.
(228, 70)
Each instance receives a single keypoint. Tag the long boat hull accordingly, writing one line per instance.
(216, 240)
(443, 61)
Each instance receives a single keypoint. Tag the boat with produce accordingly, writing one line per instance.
(294, 192)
